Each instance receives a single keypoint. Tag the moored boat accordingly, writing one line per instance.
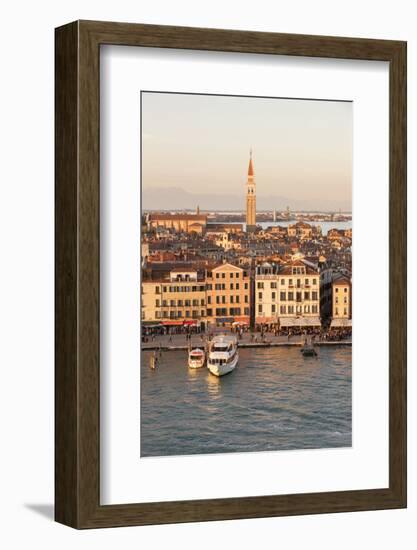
(308, 349)
(223, 355)
(196, 358)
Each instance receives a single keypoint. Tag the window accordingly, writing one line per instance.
(260, 285)
(246, 311)
(223, 299)
(164, 303)
(345, 311)
(217, 299)
(195, 314)
(314, 281)
(217, 275)
(187, 303)
(306, 309)
(290, 282)
(283, 281)
(246, 298)
(237, 299)
(209, 312)
(157, 302)
(299, 294)
(337, 300)
(209, 299)
(231, 286)
(273, 285)
(307, 282)
(218, 286)
(345, 289)
(260, 295)
(273, 296)
(209, 287)
(237, 275)
(337, 290)
(172, 303)
(231, 299)
(337, 311)
(202, 313)
(202, 302)
(290, 296)
(180, 303)
(260, 308)
(237, 286)
(314, 295)
(344, 300)
(273, 308)
(246, 286)
(282, 296)
(164, 289)
(306, 295)
(231, 275)
(223, 275)
(291, 309)
(283, 309)
(195, 302)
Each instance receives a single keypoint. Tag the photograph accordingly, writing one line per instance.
(246, 274)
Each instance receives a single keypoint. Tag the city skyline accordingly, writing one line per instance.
(191, 133)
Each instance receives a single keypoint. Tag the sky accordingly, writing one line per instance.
(195, 150)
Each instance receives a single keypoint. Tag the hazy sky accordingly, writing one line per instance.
(199, 145)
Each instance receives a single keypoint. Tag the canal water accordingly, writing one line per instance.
(275, 399)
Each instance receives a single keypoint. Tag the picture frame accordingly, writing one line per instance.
(77, 271)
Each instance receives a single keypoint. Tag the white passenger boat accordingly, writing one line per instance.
(223, 355)
(196, 358)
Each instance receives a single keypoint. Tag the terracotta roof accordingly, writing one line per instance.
(194, 217)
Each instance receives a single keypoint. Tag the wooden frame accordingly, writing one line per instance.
(77, 373)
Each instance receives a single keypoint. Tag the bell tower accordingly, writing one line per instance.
(250, 198)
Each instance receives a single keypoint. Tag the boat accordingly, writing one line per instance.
(223, 355)
(196, 358)
(308, 349)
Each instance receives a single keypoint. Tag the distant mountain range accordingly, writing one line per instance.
(175, 198)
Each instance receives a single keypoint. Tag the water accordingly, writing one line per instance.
(275, 399)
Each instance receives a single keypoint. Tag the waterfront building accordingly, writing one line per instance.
(299, 295)
(185, 223)
(174, 298)
(250, 198)
(341, 297)
(266, 294)
(228, 295)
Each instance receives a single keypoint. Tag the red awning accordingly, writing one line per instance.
(180, 323)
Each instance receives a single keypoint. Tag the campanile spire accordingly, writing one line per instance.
(250, 197)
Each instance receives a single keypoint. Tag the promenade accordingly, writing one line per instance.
(180, 341)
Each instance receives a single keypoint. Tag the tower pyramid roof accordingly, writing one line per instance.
(250, 169)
